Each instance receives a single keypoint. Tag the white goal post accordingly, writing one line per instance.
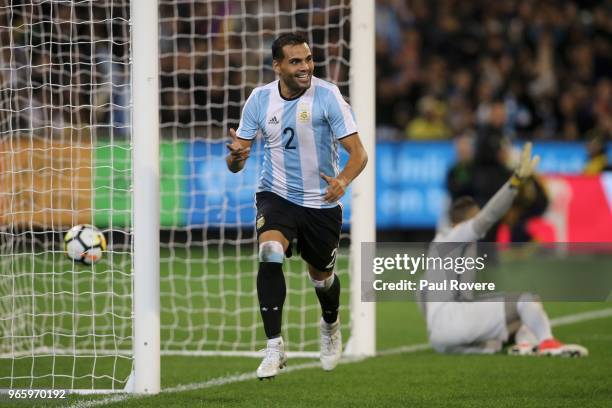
(145, 128)
(363, 225)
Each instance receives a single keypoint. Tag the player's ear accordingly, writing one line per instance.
(276, 66)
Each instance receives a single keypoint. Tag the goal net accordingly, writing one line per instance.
(212, 55)
(66, 159)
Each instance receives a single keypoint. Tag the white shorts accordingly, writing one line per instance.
(467, 327)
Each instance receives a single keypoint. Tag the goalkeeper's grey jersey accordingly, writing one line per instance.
(459, 241)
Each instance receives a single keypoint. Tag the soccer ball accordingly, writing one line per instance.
(84, 243)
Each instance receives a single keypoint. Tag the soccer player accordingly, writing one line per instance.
(302, 120)
(456, 323)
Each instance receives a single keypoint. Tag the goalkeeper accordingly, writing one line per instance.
(302, 119)
(458, 324)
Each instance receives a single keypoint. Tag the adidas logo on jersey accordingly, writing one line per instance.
(273, 121)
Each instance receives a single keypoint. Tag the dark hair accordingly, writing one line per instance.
(460, 208)
(285, 39)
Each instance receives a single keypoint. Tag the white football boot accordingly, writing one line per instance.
(274, 360)
(526, 343)
(331, 344)
(522, 349)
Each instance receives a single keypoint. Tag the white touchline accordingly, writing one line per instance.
(580, 317)
(230, 379)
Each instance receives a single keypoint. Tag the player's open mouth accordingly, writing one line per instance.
(303, 77)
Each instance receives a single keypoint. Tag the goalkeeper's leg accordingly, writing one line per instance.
(533, 316)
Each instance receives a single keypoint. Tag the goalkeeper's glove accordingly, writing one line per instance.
(526, 167)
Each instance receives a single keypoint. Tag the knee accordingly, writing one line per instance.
(317, 275)
(271, 251)
(529, 297)
(528, 300)
(323, 282)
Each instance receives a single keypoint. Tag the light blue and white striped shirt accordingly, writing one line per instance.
(301, 139)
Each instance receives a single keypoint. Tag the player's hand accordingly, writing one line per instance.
(237, 152)
(527, 165)
(336, 188)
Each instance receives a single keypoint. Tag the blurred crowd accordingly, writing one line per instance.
(517, 68)
(512, 68)
(214, 53)
(64, 66)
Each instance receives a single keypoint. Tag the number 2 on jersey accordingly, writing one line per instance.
(288, 145)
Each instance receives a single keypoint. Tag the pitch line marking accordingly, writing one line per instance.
(220, 381)
(581, 317)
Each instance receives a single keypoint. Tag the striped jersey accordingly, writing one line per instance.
(300, 139)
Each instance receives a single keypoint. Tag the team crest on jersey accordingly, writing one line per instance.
(260, 222)
(303, 115)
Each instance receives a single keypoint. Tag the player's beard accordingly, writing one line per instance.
(304, 84)
(295, 84)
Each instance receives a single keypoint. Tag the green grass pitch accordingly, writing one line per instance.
(419, 378)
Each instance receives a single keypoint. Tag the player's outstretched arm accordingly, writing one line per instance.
(358, 158)
(499, 204)
(239, 150)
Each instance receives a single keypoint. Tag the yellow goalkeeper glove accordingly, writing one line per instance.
(526, 167)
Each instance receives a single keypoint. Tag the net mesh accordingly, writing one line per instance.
(213, 54)
(64, 140)
(65, 159)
